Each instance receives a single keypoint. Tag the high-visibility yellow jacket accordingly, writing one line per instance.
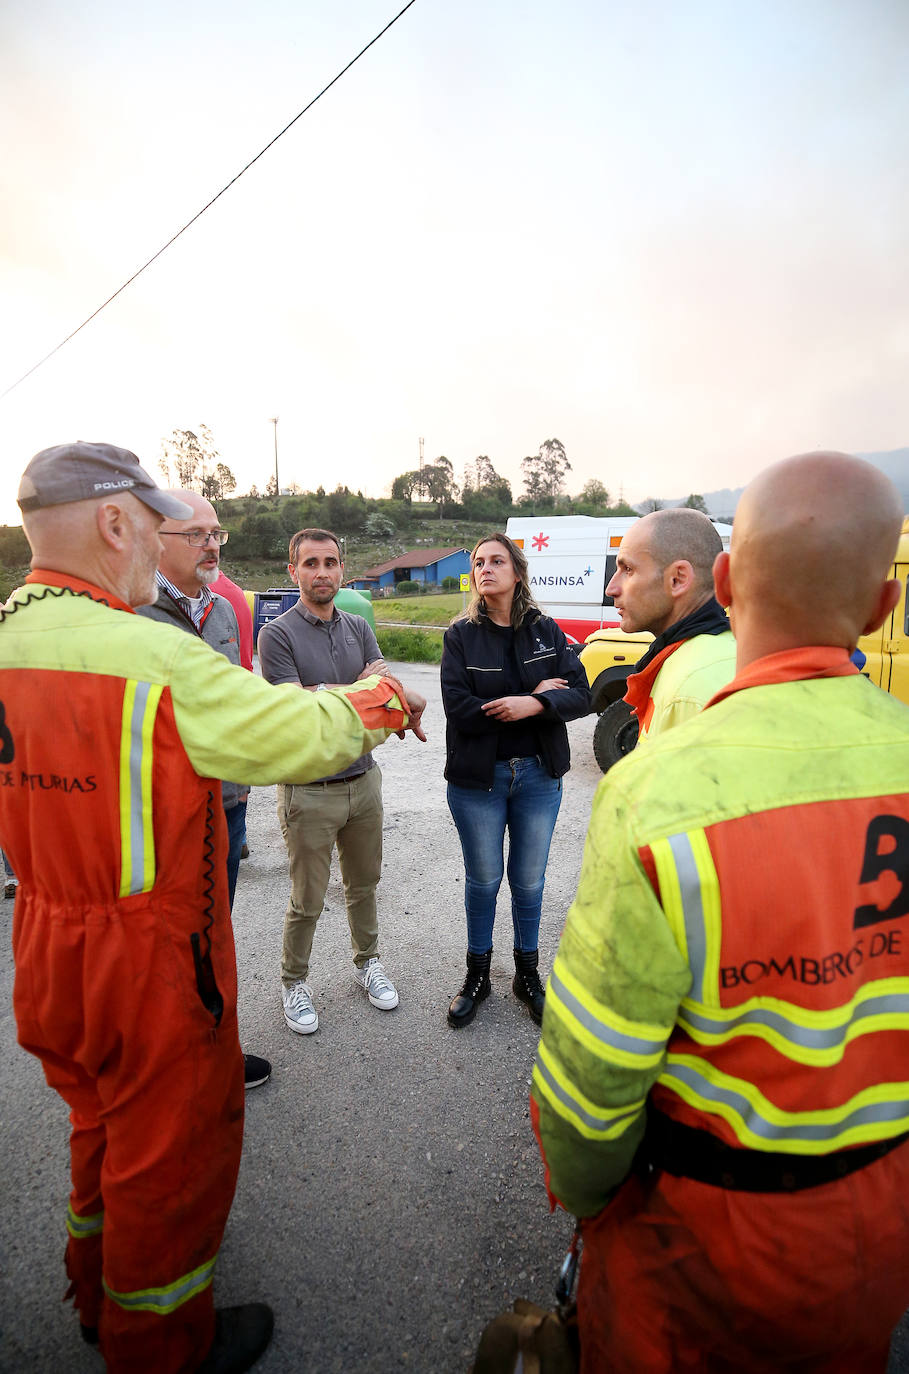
(112, 728)
(738, 947)
(687, 680)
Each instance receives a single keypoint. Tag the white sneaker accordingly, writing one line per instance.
(379, 988)
(299, 1012)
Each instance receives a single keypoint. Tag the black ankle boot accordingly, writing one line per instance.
(241, 1336)
(476, 987)
(527, 986)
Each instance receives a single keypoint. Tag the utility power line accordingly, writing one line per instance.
(200, 213)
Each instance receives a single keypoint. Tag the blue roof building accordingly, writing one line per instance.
(429, 566)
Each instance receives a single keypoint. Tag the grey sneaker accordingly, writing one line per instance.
(299, 1012)
(380, 989)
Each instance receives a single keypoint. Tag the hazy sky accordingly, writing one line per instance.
(676, 237)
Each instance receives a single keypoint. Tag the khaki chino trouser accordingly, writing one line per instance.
(314, 817)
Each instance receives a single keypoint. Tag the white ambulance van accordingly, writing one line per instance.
(571, 559)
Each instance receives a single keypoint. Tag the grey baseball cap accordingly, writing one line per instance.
(83, 472)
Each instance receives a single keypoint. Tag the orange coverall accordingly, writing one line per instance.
(112, 731)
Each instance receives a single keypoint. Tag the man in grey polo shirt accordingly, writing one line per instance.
(315, 645)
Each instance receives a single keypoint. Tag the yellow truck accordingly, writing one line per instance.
(609, 657)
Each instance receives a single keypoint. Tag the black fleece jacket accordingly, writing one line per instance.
(473, 667)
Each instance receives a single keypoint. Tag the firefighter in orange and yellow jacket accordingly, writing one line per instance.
(663, 584)
(721, 1090)
(112, 731)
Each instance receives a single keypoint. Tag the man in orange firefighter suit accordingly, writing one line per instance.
(663, 584)
(721, 1086)
(112, 731)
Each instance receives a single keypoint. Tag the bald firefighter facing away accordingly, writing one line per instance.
(721, 1087)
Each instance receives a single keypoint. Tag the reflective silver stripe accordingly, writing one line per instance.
(810, 1039)
(136, 817)
(600, 1124)
(80, 1227)
(630, 1044)
(877, 1113)
(165, 1300)
(693, 907)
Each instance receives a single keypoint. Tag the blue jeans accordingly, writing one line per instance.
(525, 800)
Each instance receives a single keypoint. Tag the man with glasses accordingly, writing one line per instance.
(188, 566)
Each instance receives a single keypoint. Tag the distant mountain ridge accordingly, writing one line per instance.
(894, 462)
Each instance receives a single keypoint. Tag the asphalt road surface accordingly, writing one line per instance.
(390, 1199)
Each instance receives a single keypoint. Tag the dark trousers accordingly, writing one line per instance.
(236, 832)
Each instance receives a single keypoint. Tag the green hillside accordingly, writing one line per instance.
(256, 553)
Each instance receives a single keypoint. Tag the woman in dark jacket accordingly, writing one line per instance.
(509, 683)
